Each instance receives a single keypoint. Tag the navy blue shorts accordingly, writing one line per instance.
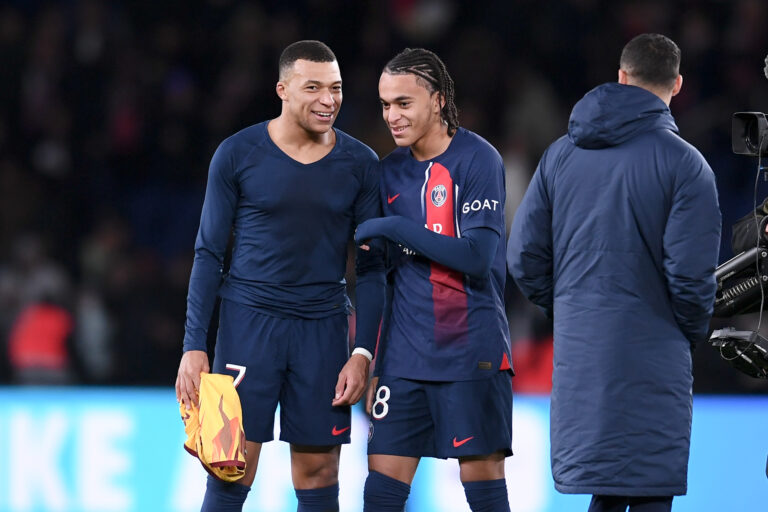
(416, 418)
(293, 361)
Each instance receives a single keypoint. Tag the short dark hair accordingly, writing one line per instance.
(311, 50)
(652, 59)
(433, 74)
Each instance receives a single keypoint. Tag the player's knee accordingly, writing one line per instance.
(489, 467)
(317, 474)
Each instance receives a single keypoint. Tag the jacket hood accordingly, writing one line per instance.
(613, 113)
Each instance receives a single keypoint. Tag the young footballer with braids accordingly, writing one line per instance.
(443, 386)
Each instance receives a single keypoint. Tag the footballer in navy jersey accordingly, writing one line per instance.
(445, 325)
(443, 373)
(288, 194)
(290, 223)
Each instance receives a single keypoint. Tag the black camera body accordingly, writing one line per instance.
(749, 134)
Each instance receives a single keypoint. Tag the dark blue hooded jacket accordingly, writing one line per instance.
(617, 238)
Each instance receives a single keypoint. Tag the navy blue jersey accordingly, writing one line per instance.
(291, 224)
(445, 325)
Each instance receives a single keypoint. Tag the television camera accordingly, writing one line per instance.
(742, 281)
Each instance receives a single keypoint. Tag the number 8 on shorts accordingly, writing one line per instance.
(382, 395)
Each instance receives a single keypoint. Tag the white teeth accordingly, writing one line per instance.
(324, 114)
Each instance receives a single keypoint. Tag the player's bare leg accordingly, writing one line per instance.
(314, 466)
(252, 452)
(315, 473)
(482, 467)
(394, 466)
(484, 482)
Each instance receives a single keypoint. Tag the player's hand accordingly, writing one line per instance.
(370, 394)
(193, 363)
(352, 380)
(370, 229)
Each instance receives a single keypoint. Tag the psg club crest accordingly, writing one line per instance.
(439, 195)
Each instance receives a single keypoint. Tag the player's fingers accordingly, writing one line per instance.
(349, 397)
(340, 385)
(369, 398)
(193, 393)
(357, 395)
(188, 391)
(370, 394)
(183, 395)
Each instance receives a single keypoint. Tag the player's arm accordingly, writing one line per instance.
(211, 244)
(529, 250)
(369, 298)
(472, 254)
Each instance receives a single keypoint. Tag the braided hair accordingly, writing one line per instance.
(431, 72)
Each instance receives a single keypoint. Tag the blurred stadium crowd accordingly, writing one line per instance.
(111, 110)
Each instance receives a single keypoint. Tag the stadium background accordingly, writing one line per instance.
(109, 113)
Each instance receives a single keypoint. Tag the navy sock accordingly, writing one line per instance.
(487, 495)
(224, 496)
(324, 499)
(384, 494)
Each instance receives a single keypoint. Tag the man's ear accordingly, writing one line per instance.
(280, 90)
(678, 85)
(623, 77)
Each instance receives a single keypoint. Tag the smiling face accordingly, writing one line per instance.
(410, 110)
(311, 94)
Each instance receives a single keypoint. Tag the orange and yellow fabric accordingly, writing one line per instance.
(215, 430)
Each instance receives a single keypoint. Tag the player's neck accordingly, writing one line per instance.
(300, 144)
(433, 143)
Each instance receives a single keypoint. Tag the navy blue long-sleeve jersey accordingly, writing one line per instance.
(291, 224)
(445, 325)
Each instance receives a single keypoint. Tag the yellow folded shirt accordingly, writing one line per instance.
(215, 431)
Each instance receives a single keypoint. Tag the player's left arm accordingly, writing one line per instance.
(479, 211)
(369, 297)
(472, 254)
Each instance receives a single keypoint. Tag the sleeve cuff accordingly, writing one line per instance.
(364, 352)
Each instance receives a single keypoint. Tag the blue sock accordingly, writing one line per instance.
(487, 495)
(384, 494)
(324, 499)
(224, 496)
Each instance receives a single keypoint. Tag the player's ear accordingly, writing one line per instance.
(280, 90)
(438, 102)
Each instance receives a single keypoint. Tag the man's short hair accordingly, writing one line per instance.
(311, 50)
(651, 59)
